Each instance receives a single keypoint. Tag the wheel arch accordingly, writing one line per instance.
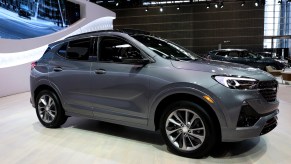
(160, 107)
(44, 87)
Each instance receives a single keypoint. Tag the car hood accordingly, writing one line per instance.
(267, 59)
(219, 67)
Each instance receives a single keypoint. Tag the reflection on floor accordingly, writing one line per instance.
(24, 140)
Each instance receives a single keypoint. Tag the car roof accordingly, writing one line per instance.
(225, 50)
(101, 32)
(264, 52)
(117, 31)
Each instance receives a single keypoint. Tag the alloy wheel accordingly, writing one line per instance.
(185, 129)
(47, 109)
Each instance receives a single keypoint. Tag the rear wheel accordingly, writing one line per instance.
(188, 129)
(49, 110)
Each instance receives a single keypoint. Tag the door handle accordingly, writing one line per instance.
(100, 71)
(58, 69)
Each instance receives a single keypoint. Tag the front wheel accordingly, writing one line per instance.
(49, 110)
(188, 130)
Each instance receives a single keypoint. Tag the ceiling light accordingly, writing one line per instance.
(117, 4)
(161, 9)
(221, 5)
(178, 8)
(147, 9)
(216, 5)
(243, 4)
(208, 5)
(256, 3)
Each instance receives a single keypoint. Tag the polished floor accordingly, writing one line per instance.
(24, 140)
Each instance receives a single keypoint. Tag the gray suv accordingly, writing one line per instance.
(146, 82)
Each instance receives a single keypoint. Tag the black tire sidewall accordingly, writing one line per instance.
(210, 138)
(60, 116)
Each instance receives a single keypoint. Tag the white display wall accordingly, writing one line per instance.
(16, 55)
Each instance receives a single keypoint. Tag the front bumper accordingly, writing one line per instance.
(247, 113)
(264, 125)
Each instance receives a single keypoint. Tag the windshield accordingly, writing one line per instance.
(166, 49)
(253, 55)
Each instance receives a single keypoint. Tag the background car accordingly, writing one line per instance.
(243, 56)
(270, 55)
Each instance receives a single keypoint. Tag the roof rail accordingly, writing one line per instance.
(126, 30)
(134, 31)
(92, 32)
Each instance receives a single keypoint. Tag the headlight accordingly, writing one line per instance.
(237, 82)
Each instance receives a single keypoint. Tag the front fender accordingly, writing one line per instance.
(184, 90)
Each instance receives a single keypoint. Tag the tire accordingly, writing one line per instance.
(194, 139)
(49, 110)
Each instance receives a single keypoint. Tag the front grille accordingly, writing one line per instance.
(268, 90)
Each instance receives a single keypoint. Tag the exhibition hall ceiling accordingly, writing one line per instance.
(140, 3)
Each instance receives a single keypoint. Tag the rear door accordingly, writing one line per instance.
(70, 74)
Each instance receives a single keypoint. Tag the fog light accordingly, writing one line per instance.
(247, 117)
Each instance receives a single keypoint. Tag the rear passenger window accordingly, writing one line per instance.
(79, 49)
(63, 50)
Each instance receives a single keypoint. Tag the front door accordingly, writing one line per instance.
(120, 89)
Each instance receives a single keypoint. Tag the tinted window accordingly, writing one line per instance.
(251, 55)
(63, 50)
(113, 49)
(79, 49)
(224, 54)
(233, 54)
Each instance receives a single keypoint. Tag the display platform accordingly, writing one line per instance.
(23, 139)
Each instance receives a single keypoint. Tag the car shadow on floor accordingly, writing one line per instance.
(115, 130)
(223, 150)
(255, 147)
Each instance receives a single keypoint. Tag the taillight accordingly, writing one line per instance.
(33, 65)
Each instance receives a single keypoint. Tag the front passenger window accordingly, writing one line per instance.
(233, 54)
(223, 54)
(113, 49)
